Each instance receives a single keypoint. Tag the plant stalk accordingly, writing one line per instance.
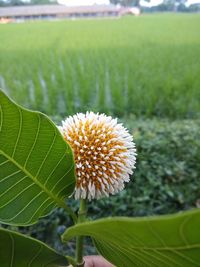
(80, 239)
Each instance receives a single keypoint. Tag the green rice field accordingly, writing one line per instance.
(147, 65)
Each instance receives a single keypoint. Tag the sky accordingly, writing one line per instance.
(106, 2)
(151, 3)
(191, 2)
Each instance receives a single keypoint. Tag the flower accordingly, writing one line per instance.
(104, 154)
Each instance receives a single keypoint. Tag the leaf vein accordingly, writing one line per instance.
(35, 141)
(186, 258)
(4, 162)
(25, 207)
(54, 169)
(12, 250)
(60, 179)
(35, 256)
(19, 131)
(60, 202)
(155, 233)
(10, 175)
(181, 231)
(10, 188)
(165, 256)
(47, 154)
(39, 209)
(16, 196)
(1, 111)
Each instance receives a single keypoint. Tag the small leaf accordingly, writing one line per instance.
(17, 250)
(36, 165)
(167, 241)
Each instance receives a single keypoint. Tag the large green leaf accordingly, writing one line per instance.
(17, 250)
(36, 165)
(167, 241)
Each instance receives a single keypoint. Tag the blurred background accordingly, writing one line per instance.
(136, 60)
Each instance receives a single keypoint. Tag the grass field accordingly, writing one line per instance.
(147, 65)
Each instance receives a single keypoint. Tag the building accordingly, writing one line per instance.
(49, 12)
(83, 2)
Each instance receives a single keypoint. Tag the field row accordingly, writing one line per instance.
(146, 66)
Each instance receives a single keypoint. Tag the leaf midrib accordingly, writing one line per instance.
(57, 200)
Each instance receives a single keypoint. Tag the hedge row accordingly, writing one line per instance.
(167, 177)
(166, 180)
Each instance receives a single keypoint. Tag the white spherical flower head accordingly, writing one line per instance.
(104, 154)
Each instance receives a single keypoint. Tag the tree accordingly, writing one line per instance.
(125, 2)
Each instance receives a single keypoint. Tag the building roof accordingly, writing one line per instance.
(54, 10)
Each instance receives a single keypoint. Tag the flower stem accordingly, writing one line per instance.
(79, 240)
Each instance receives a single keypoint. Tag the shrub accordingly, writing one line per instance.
(167, 174)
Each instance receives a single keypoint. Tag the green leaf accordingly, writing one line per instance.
(36, 165)
(17, 250)
(167, 241)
